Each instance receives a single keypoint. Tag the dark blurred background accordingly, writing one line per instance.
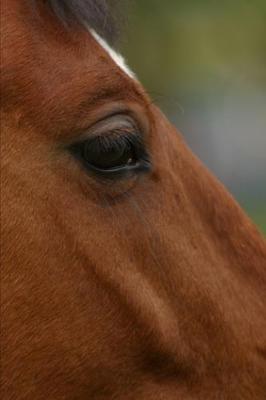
(204, 64)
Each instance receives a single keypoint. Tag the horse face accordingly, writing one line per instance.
(111, 231)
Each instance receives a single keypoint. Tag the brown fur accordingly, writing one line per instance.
(150, 289)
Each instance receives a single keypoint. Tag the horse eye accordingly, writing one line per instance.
(115, 149)
(108, 154)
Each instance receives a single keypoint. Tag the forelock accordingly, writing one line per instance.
(104, 16)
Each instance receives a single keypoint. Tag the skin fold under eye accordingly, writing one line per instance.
(114, 148)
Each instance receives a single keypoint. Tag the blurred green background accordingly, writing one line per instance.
(204, 63)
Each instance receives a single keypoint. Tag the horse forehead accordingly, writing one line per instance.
(58, 61)
(116, 57)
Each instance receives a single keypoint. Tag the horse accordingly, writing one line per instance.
(128, 270)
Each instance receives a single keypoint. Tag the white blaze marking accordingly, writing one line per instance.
(117, 58)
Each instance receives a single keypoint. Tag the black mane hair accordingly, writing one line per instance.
(101, 15)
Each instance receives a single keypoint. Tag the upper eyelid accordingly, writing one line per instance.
(94, 129)
(111, 119)
(82, 129)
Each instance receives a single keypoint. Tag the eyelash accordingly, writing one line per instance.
(118, 138)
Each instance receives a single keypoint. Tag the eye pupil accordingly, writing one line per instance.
(107, 156)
